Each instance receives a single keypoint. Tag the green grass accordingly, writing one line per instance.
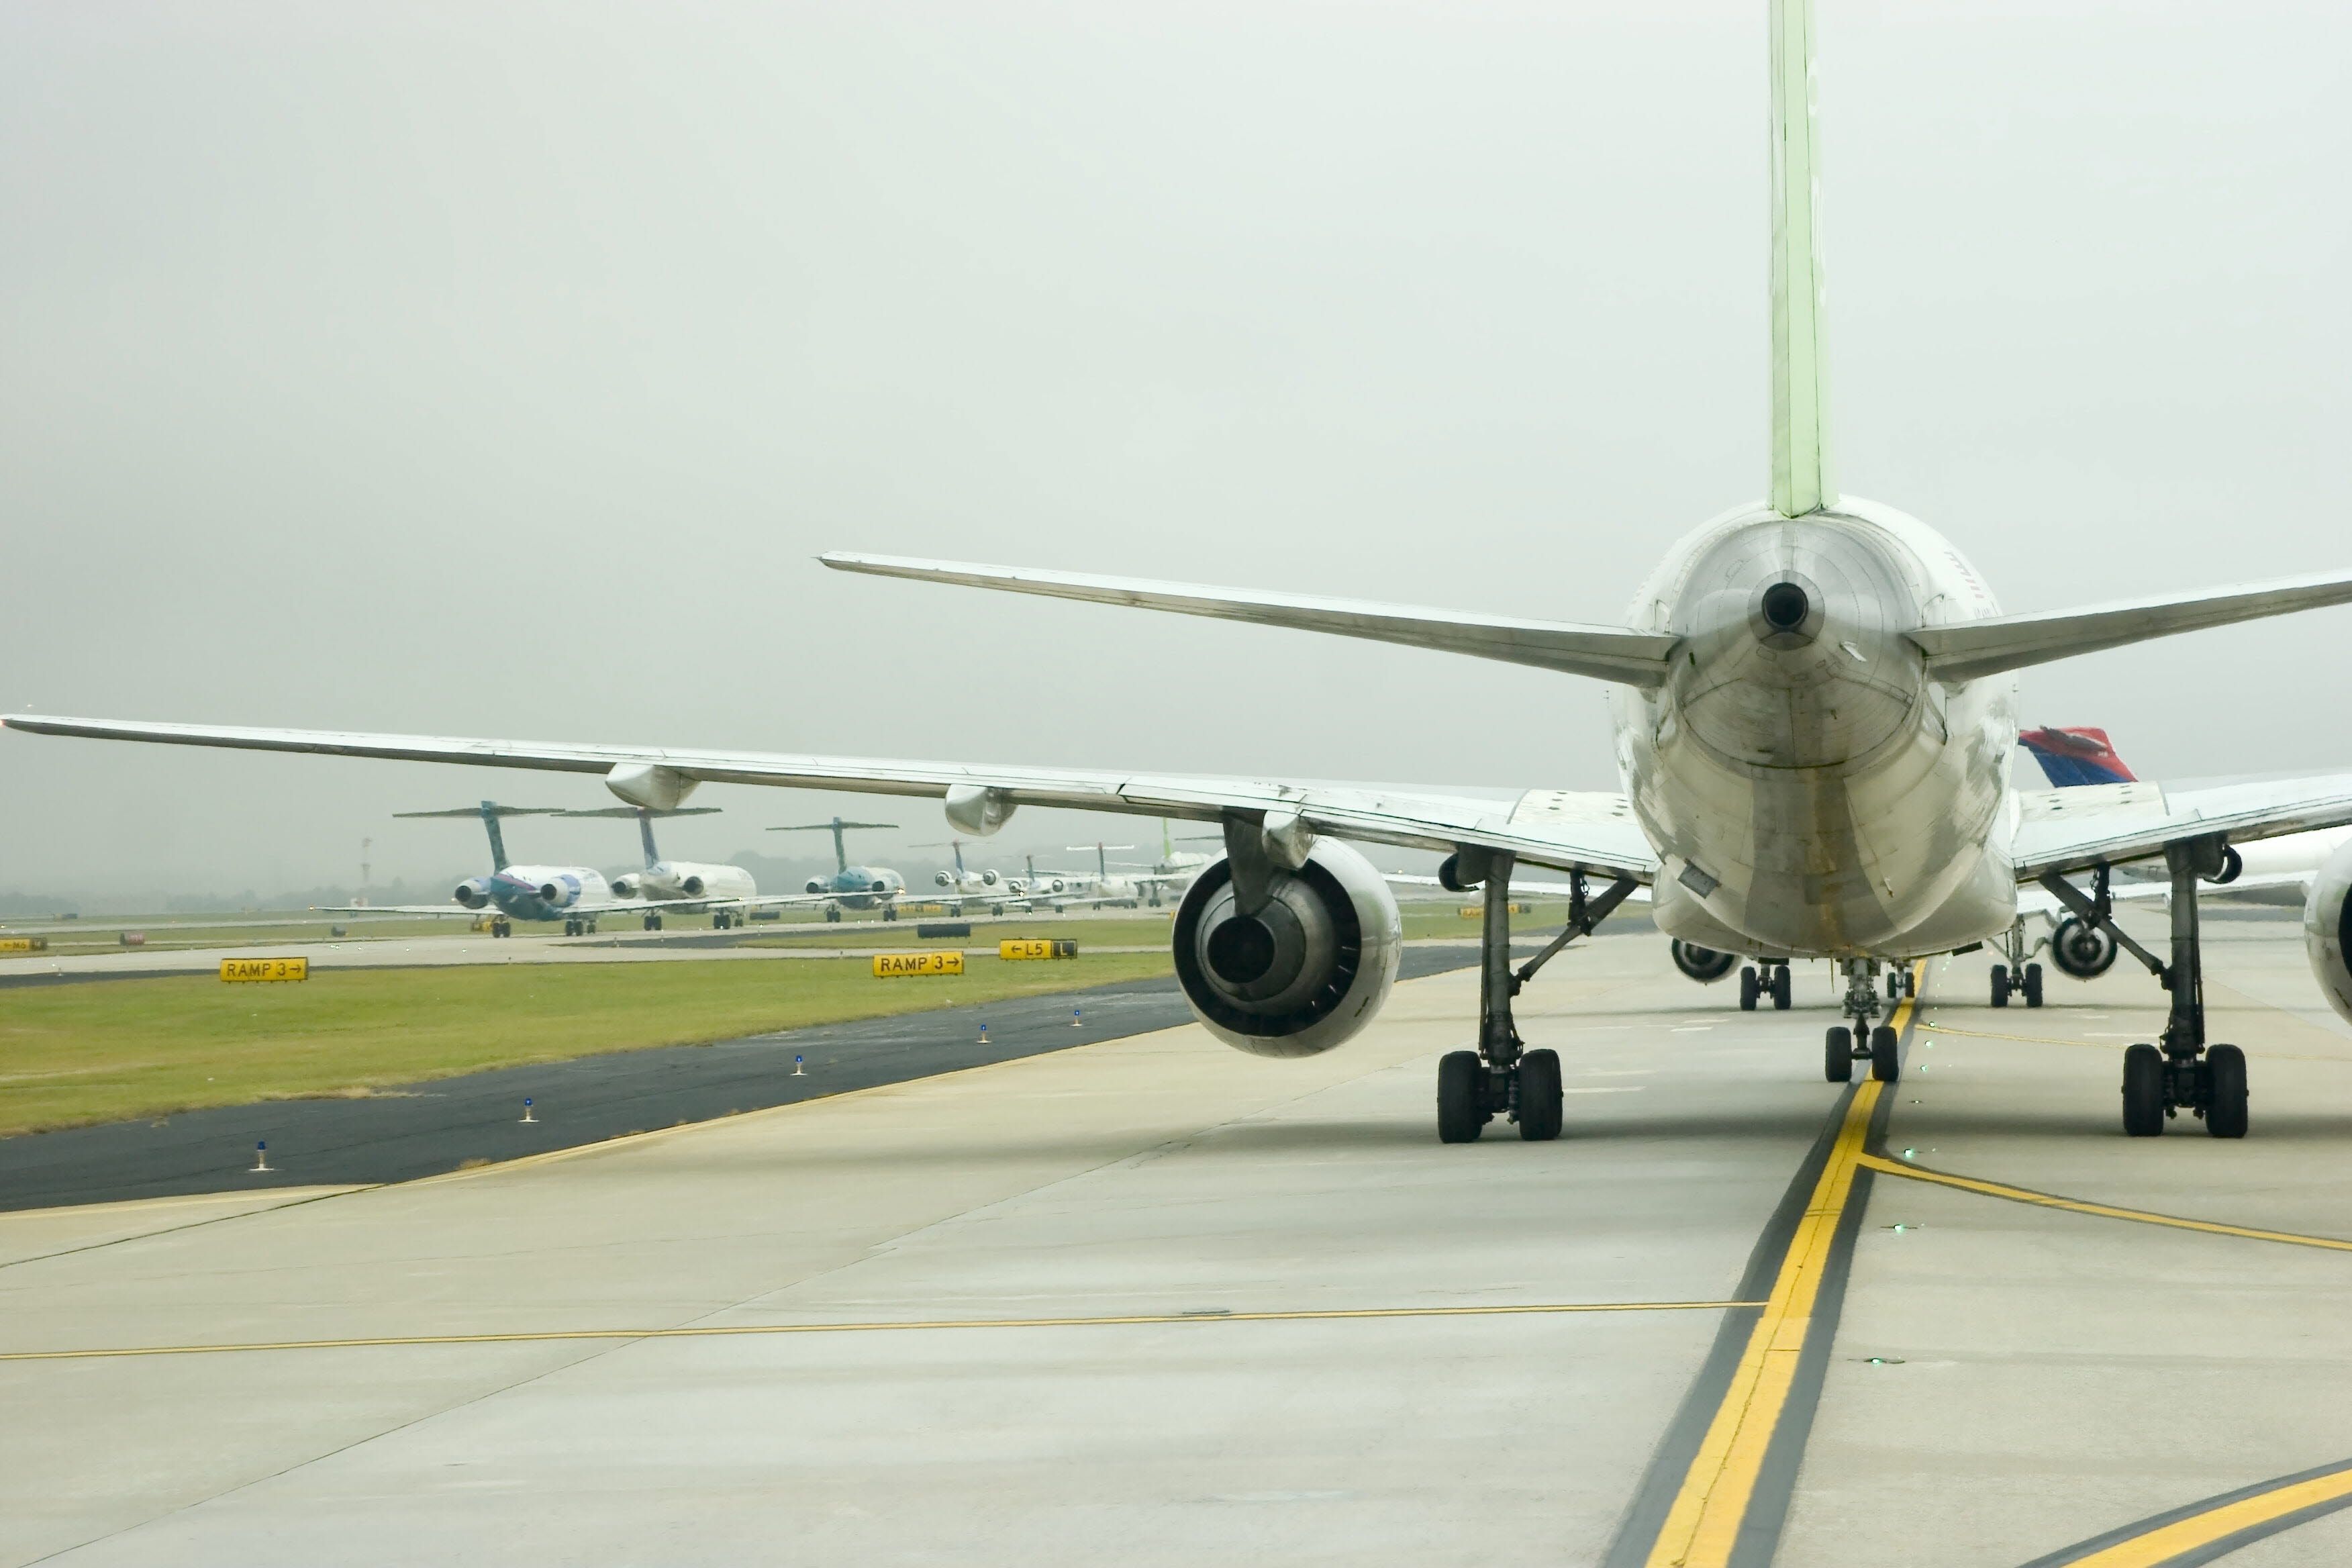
(110, 1051)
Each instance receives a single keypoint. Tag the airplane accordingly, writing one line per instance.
(575, 895)
(961, 883)
(851, 886)
(2085, 758)
(1814, 701)
(729, 893)
(1102, 886)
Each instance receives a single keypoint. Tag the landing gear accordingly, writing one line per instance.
(1783, 993)
(1770, 980)
(2000, 985)
(1501, 1078)
(1867, 1040)
(890, 912)
(1750, 988)
(2180, 1070)
(1837, 1055)
(653, 923)
(2032, 987)
(571, 928)
(833, 912)
(502, 927)
(2017, 977)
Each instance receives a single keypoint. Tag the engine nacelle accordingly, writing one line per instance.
(1303, 974)
(988, 878)
(2082, 948)
(1704, 964)
(474, 893)
(626, 887)
(944, 879)
(2327, 930)
(559, 892)
(691, 887)
(816, 885)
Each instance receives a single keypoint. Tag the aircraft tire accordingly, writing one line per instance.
(2033, 986)
(1460, 1116)
(1749, 988)
(1540, 1097)
(1837, 1055)
(1885, 1060)
(2142, 1091)
(2225, 1105)
(2000, 985)
(1781, 992)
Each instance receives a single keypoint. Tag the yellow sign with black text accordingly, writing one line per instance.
(24, 943)
(265, 968)
(1037, 947)
(888, 965)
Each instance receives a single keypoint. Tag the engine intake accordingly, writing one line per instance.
(691, 887)
(2327, 930)
(1704, 964)
(473, 895)
(1305, 973)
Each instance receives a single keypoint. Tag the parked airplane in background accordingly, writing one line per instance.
(852, 887)
(962, 884)
(729, 892)
(1814, 701)
(575, 895)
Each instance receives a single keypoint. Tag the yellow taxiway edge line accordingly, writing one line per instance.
(2103, 1211)
(2170, 1542)
(1703, 1525)
(725, 1331)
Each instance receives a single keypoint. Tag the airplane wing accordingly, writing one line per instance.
(2075, 829)
(451, 909)
(1519, 887)
(1567, 831)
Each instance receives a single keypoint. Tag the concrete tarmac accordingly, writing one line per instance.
(1154, 1301)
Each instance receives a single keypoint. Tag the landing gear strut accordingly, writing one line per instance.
(2180, 1070)
(2017, 978)
(1501, 1077)
(1766, 977)
(1866, 1040)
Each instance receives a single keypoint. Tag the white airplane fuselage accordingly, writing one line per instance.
(536, 893)
(1811, 792)
(687, 880)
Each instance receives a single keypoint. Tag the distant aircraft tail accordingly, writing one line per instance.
(2074, 757)
(645, 816)
(489, 811)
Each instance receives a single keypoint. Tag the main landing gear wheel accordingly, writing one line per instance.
(890, 912)
(1750, 988)
(2000, 987)
(2032, 987)
(1539, 1096)
(2225, 1109)
(1884, 1064)
(1462, 1112)
(833, 915)
(2142, 1091)
(1837, 1055)
(1781, 992)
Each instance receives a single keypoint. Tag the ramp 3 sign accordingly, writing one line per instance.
(265, 968)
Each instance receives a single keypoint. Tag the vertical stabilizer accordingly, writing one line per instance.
(1800, 436)
(497, 839)
(645, 836)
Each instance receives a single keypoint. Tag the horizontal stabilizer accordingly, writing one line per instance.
(642, 811)
(1605, 653)
(488, 808)
(1966, 650)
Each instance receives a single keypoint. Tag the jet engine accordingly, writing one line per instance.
(1704, 964)
(2081, 949)
(944, 879)
(691, 887)
(2327, 930)
(1307, 971)
(817, 884)
(558, 891)
(626, 887)
(474, 893)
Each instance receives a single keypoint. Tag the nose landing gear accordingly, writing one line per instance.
(1867, 1040)
(1501, 1078)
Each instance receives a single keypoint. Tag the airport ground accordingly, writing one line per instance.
(1149, 1299)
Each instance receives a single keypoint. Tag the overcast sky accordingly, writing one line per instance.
(499, 369)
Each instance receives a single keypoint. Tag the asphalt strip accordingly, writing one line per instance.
(427, 1128)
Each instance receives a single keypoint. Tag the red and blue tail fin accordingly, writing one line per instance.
(2072, 758)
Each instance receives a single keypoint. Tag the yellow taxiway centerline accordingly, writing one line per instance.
(2103, 1211)
(2173, 1541)
(1703, 1525)
(724, 1330)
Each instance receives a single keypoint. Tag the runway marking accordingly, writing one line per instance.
(1704, 1525)
(730, 1331)
(2102, 1211)
(2215, 1526)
